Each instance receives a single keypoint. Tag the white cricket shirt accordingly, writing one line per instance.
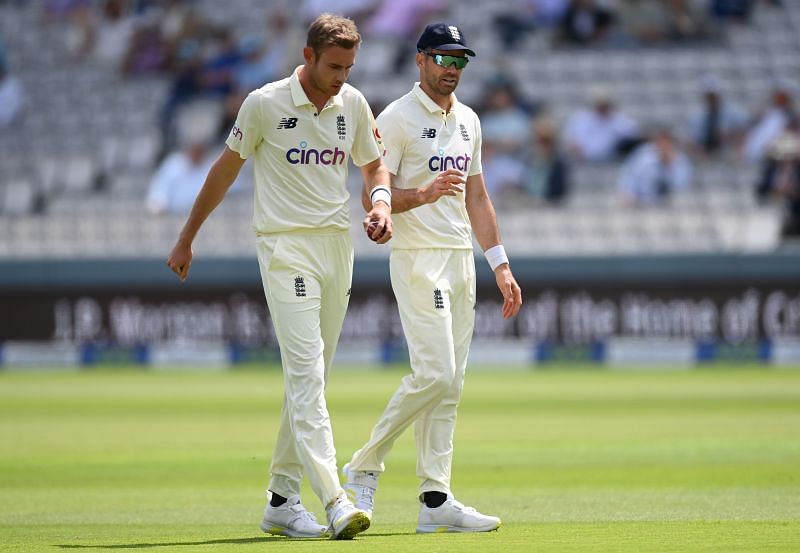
(421, 140)
(301, 157)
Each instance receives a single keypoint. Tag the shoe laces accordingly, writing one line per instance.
(366, 494)
(302, 513)
(463, 508)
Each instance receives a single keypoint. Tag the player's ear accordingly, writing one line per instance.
(420, 59)
(308, 55)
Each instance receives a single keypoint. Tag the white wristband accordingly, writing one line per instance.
(381, 193)
(496, 256)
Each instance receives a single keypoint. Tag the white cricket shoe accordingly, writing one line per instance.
(291, 519)
(360, 488)
(345, 520)
(453, 516)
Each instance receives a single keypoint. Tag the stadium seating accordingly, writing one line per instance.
(75, 170)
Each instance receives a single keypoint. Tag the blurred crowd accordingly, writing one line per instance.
(527, 159)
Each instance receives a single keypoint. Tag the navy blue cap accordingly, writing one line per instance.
(441, 36)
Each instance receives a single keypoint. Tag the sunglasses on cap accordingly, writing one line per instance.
(446, 61)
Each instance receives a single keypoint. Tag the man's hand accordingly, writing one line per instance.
(447, 183)
(512, 295)
(378, 223)
(180, 259)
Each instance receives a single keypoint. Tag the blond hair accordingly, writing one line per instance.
(332, 30)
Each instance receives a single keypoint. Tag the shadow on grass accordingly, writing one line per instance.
(227, 541)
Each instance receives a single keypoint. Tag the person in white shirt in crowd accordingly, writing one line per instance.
(780, 178)
(181, 174)
(179, 178)
(505, 115)
(715, 124)
(769, 124)
(12, 94)
(655, 171)
(600, 132)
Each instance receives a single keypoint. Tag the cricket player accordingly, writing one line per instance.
(301, 131)
(433, 151)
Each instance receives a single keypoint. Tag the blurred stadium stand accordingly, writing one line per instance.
(76, 166)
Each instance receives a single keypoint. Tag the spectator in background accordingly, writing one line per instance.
(736, 10)
(526, 16)
(687, 21)
(600, 132)
(181, 174)
(163, 36)
(504, 175)
(585, 23)
(217, 75)
(547, 177)
(781, 177)
(505, 115)
(357, 10)
(105, 37)
(714, 123)
(400, 22)
(62, 10)
(11, 93)
(769, 124)
(654, 171)
(649, 22)
(644, 22)
(186, 85)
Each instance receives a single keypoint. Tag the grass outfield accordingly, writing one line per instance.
(707, 460)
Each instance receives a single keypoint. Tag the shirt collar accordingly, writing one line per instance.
(428, 102)
(299, 95)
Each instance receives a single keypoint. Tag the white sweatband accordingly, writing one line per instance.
(496, 256)
(381, 193)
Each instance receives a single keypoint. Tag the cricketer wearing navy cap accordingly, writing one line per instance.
(439, 202)
(441, 36)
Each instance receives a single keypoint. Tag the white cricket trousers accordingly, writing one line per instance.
(307, 278)
(435, 291)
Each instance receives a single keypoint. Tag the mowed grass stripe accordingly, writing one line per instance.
(571, 460)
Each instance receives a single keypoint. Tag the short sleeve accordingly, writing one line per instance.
(393, 139)
(365, 144)
(476, 168)
(246, 135)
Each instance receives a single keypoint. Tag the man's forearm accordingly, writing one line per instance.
(404, 199)
(219, 179)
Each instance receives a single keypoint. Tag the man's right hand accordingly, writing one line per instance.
(447, 183)
(180, 259)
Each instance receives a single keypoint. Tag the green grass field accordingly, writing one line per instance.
(571, 460)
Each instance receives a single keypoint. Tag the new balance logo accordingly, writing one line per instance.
(287, 123)
(428, 133)
(438, 300)
(299, 287)
(464, 133)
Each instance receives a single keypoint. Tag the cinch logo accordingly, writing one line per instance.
(443, 163)
(311, 156)
(287, 123)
